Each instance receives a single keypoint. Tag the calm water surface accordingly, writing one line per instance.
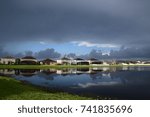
(120, 82)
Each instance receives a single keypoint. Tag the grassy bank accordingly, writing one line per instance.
(60, 66)
(12, 89)
(42, 66)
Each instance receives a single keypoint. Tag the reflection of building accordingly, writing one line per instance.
(7, 71)
(28, 72)
(100, 69)
(48, 62)
(28, 60)
(125, 68)
(97, 69)
(7, 60)
(74, 71)
(62, 72)
(48, 71)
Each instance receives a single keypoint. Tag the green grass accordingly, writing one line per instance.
(11, 89)
(58, 66)
(42, 66)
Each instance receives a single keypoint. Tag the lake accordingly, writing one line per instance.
(115, 82)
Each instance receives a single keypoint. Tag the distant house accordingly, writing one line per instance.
(94, 61)
(122, 62)
(48, 62)
(107, 63)
(146, 62)
(64, 60)
(28, 60)
(131, 62)
(8, 60)
(79, 61)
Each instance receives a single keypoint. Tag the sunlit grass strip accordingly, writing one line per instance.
(63, 66)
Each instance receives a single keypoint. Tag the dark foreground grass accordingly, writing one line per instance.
(11, 89)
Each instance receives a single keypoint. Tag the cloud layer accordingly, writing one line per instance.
(43, 54)
(89, 44)
(101, 23)
(123, 53)
(124, 22)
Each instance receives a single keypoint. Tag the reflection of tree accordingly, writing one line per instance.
(133, 75)
(17, 72)
(82, 69)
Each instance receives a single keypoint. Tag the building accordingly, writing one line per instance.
(94, 61)
(64, 61)
(8, 60)
(28, 60)
(121, 62)
(80, 61)
(48, 62)
(106, 63)
(146, 62)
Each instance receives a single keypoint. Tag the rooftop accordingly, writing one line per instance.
(28, 57)
(49, 60)
(65, 58)
(8, 57)
(78, 59)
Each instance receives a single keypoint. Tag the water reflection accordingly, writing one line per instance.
(7, 71)
(122, 82)
(30, 72)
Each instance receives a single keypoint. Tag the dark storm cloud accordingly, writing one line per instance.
(48, 53)
(122, 53)
(97, 54)
(2, 52)
(131, 53)
(42, 54)
(28, 53)
(123, 22)
(120, 22)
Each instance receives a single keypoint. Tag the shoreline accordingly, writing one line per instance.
(12, 89)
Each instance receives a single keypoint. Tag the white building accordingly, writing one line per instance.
(28, 60)
(64, 60)
(79, 61)
(75, 61)
(94, 61)
(8, 60)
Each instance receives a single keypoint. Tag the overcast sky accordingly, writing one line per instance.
(75, 26)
